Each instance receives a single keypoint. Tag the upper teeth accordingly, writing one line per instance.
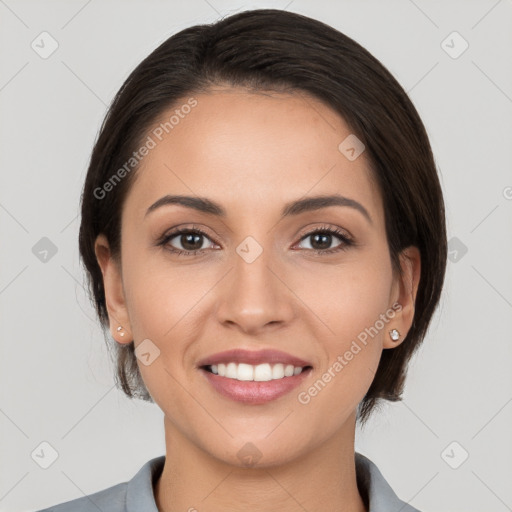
(260, 372)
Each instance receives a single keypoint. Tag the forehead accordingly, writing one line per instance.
(251, 151)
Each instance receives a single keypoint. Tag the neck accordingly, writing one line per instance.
(322, 479)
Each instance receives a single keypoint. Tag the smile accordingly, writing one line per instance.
(258, 373)
(254, 377)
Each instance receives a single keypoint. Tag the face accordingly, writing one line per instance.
(313, 281)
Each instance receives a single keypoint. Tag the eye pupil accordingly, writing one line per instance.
(324, 240)
(189, 239)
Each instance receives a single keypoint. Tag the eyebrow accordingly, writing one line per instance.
(297, 207)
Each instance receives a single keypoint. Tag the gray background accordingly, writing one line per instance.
(56, 380)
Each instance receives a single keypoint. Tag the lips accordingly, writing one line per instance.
(253, 357)
(237, 385)
(254, 393)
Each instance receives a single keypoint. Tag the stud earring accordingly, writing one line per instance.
(120, 333)
(394, 334)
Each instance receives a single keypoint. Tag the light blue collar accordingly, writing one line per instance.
(371, 482)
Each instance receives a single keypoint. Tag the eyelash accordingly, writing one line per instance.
(346, 241)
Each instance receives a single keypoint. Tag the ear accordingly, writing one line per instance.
(403, 295)
(114, 292)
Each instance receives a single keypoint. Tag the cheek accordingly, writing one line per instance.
(166, 305)
(348, 298)
(160, 295)
(352, 350)
(355, 311)
(352, 302)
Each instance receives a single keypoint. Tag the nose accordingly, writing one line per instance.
(255, 297)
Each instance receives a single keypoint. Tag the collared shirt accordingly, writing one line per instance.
(137, 495)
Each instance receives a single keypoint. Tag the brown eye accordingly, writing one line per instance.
(190, 241)
(187, 242)
(322, 239)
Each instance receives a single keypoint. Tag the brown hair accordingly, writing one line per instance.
(269, 49)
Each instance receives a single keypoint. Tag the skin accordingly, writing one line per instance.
(252, 153)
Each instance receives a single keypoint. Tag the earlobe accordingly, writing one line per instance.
(114, 292)
(407, 288)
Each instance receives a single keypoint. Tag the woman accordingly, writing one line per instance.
(263, 230)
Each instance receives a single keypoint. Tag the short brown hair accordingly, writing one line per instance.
(269, 49)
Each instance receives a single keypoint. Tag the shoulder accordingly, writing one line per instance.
(376, 490)
(112, 499)
(136, 494)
